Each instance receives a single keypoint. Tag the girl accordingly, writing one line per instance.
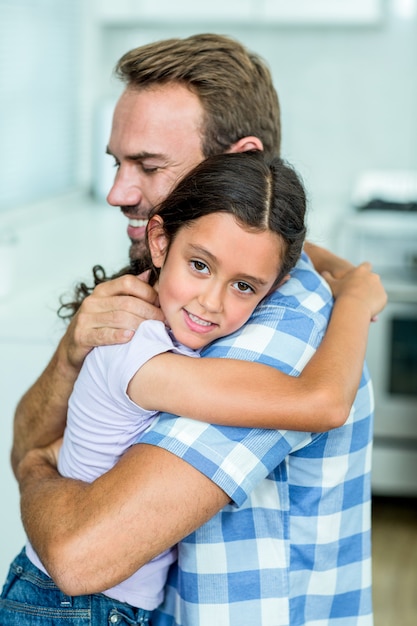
(227, 236)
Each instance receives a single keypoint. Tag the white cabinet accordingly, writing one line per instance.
(20, 364)
(322, 11)
(27, 340)
(179, 11)
(68, 237)
(260, 12)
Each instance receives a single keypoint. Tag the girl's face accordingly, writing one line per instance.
(213, 275)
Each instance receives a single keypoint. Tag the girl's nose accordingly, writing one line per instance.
(212, 297)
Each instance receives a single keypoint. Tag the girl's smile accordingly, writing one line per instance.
(213, 274)
(197, 324)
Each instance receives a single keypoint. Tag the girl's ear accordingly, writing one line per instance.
(157, 239)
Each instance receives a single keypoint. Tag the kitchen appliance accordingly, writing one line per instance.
(388, 239)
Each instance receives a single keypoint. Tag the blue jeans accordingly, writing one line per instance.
(30, 598)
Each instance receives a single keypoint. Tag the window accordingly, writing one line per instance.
(39, 63)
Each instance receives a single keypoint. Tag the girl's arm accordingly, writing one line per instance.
(326, 261)
(233, 392)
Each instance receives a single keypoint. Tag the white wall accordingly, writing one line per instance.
(40, 61)
(348, 92)
(50, 254)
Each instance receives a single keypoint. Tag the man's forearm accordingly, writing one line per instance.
(92, 536)
(41, 413)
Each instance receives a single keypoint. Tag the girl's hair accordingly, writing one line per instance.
(261, 194)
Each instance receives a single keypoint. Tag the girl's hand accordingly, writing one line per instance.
(326, 261)
(363, 285)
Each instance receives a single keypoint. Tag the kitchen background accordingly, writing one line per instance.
(346, 75)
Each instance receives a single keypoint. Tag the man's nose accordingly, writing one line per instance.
(125, 190)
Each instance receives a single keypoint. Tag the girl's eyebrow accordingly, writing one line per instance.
(200, 250)
(255, 280)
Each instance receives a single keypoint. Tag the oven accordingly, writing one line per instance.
(389, 241)
(392, 360)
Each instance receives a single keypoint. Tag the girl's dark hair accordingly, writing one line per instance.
(261, 195)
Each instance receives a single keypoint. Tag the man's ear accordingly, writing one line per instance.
(157, 240)
(247, 143)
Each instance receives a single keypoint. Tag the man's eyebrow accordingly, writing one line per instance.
(139, 156)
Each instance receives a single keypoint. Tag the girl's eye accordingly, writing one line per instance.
(243, 287)
(199, 266)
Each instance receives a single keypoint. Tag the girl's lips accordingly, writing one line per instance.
(197, 324)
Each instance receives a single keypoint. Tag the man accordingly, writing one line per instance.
(284, 516)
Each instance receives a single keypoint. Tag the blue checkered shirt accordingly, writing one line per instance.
(293, 547)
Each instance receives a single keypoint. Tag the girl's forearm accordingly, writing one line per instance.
(324, 260)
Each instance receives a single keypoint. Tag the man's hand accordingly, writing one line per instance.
(110, 315)
(45, 458)
(50, 453)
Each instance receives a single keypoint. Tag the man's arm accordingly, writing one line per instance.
(85, 556)
(109, 315)
(326, 261)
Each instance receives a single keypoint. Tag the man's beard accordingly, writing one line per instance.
(138, 250)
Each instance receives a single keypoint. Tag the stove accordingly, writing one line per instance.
(388, 239)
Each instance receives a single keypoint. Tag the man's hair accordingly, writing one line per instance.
(236, 92)
(233, 85)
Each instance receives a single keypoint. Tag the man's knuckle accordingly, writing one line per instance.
(128, 282)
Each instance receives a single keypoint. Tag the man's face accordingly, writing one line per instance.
(155, 140)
